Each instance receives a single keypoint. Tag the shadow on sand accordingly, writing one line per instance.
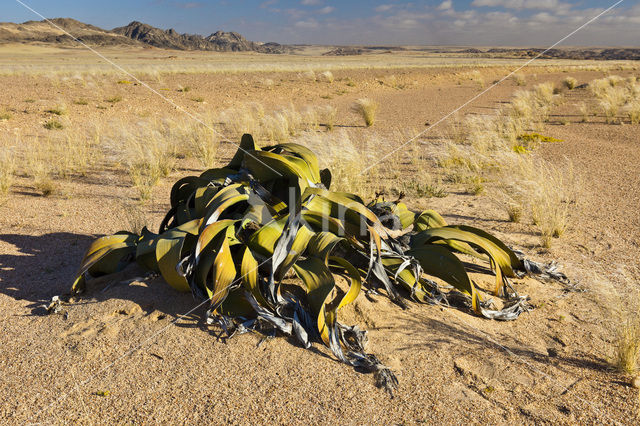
(45, 266)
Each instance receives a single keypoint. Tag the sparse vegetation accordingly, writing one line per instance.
(308, 75)
(58, 110)
(476, 77)
(184, 89)
(633, 111)
(114, 99)
(7, 170)
(367, 109)
(329, 114)
(135, 218)
(327, 76)
(53, 125)
(515, 212)
(570, 83)
(5, 116)
(584, 111)
(519, 79)
(615, 93)
(627, 344)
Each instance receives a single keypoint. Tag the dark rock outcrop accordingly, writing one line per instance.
(134, 34)
(170, 39)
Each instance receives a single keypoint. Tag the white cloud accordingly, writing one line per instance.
(266, 4)
(188, 5)
(326, 10)
(307, 24)
(544, 18)
(497, 23)
(295, 13)
(384, 8)
(311, 2)
(518, 4)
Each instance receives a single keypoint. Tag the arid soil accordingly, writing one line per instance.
(135, 351)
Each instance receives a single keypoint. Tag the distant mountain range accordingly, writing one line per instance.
(143, 35)
(134, 34)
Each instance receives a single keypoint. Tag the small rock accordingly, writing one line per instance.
(635, 382)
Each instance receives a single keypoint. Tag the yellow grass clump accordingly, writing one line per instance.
(328, 116)
(627, 344)
(633, 111)
(367, 109)
(614, 94)
(149, 154)
(57, 110)
(519, 79)
(327, 76)
(570, 83)
(7, 170)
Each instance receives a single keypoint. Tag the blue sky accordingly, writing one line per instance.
(466, 22)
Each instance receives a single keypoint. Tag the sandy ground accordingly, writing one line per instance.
(131, 340)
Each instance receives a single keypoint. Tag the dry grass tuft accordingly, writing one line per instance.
(515, 212)
(633, 111)
(327, 76)
(519, 79)
(627, 344)
(584, 111)
(7, 170)
(531, 107)
(553, 193)
(53, 125)
(615, 93)
(308, 75)
(367, 109)
(328, 116)
(279, 126)
(149, 153)
(474, 76)
(570, 83)
(57, 110)
(39, 167)
(347, 155)
(114, 99)
(135, 218)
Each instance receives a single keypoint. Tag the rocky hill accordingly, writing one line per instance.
(170, 39)
(44, 32)
(601, 54)
(136, 33)
(579, 54)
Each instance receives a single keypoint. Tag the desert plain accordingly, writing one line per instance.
(77, 132)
